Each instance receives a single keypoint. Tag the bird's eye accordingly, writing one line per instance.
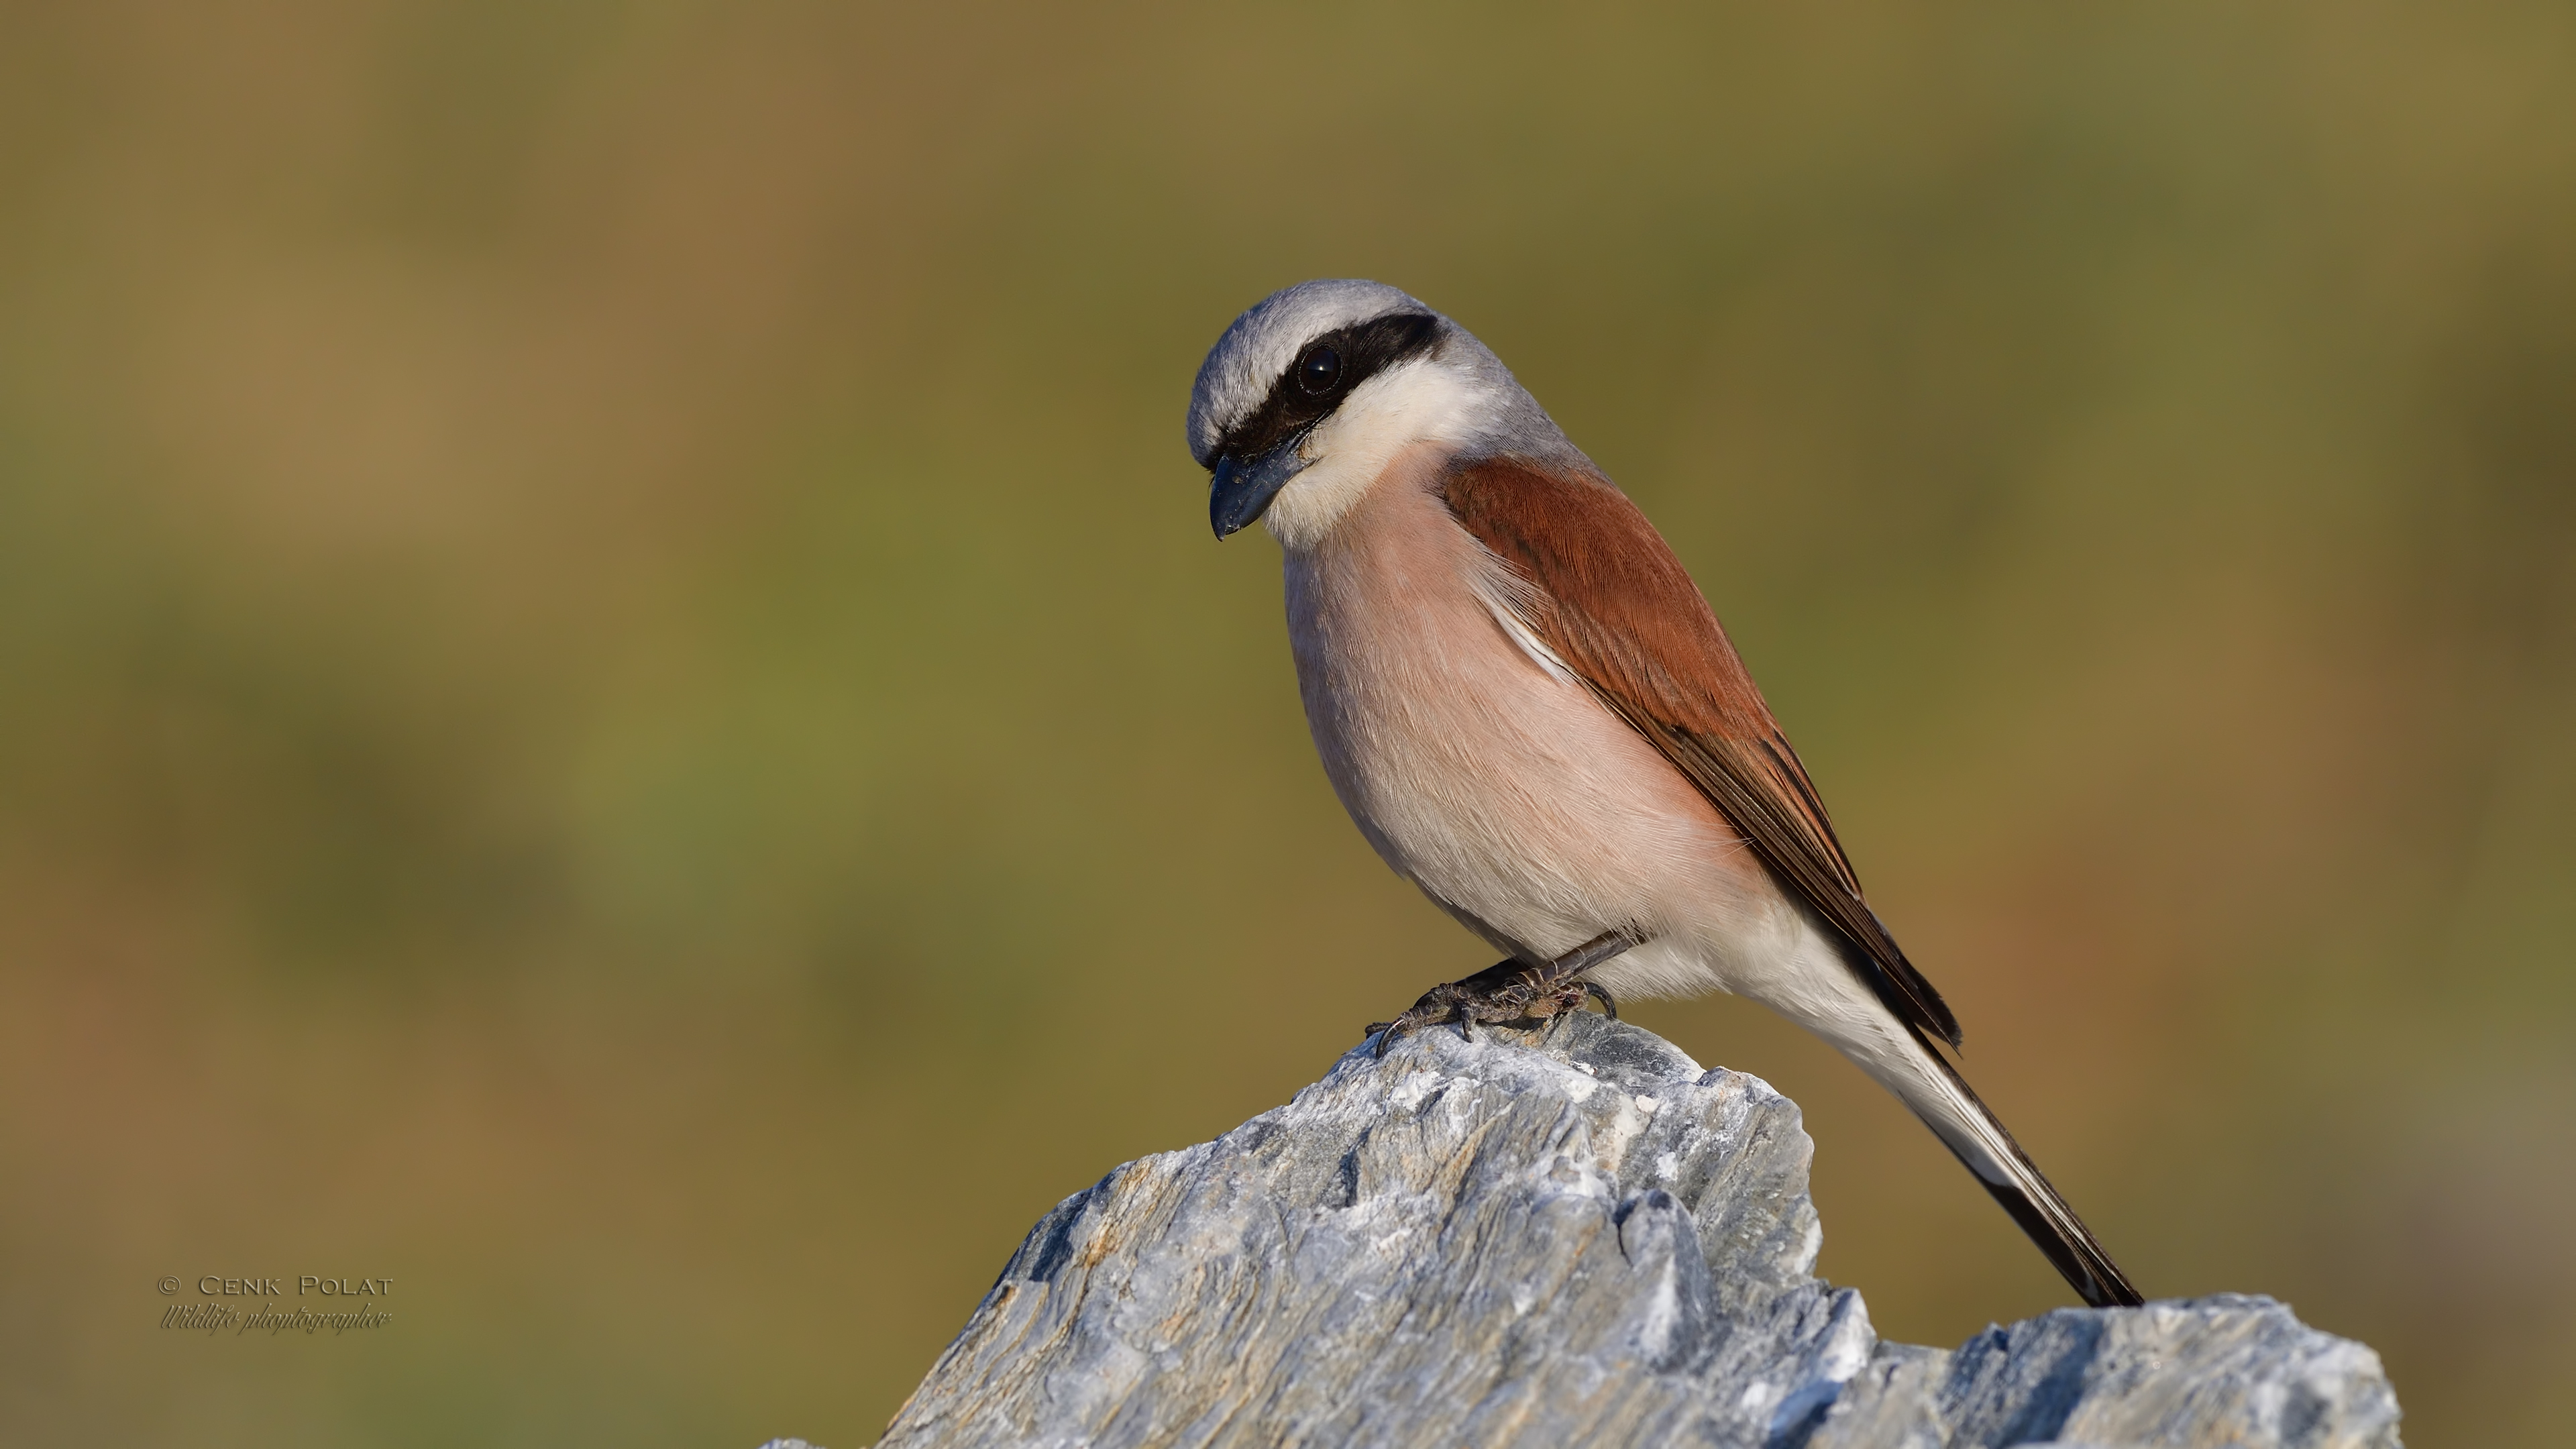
(1318, 370)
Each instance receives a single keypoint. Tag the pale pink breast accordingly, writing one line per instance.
(1508, 794)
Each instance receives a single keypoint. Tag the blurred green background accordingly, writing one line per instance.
(615, 702)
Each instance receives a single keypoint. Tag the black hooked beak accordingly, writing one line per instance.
(1239, 492)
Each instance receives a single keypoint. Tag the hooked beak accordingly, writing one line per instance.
(1239, 492)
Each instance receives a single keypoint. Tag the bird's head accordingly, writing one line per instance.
(1308, 397)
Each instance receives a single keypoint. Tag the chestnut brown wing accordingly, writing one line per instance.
(1622, 613)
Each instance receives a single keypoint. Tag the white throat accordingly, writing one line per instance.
(1411, 403)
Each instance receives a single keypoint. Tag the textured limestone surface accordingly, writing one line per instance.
(1583, 1239)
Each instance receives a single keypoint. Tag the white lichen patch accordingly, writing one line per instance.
(1409, 1093)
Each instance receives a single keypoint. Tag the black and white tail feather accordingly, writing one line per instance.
(1945, 1102)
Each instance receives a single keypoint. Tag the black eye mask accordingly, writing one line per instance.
(1324, 373)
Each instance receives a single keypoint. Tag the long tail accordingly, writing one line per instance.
(1926, 1082)
(1970, 1129)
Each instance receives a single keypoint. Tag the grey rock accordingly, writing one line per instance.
(1583, 1239)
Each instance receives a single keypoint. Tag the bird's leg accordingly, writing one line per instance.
(1510, 991)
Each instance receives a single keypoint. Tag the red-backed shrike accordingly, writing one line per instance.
(1532, 714)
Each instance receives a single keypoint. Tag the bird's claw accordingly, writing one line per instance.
(1600, 993)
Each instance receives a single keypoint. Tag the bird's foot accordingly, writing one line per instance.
(1510, 991)
(1505, 991)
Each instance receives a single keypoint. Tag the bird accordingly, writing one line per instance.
(1532, 714)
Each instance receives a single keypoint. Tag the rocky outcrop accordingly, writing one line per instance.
(1578, 1240)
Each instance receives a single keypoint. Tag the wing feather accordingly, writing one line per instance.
(1608, 597)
